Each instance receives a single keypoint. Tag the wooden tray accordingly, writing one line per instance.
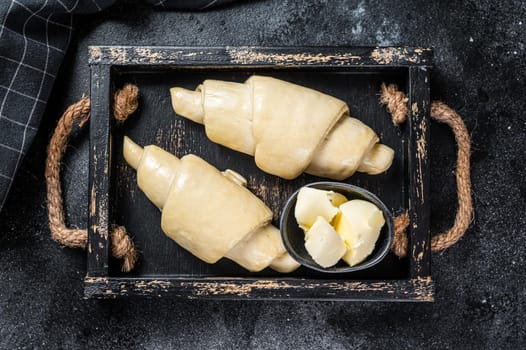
(165, 269)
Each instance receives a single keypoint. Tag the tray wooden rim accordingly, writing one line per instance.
(417, 287)
(309, 56)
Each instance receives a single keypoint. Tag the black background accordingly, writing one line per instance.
(480, 283)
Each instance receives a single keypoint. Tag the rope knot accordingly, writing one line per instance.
(395, 101)
(400, 241)
(122, 247)
(126, 101)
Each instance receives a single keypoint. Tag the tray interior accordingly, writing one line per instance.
(156, 123)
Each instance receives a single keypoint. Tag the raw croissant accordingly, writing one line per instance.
(288, 128)
(207, 212)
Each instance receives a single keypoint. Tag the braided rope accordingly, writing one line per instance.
(396, 103)
(122, 246)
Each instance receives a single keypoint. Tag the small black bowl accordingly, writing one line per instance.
(294, 237)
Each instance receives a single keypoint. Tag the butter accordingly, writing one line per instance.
(359, 225)
(312, 203)
(336, 228)
(323, 244)
(336, 198)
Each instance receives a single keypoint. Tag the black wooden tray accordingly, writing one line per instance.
(165, 269)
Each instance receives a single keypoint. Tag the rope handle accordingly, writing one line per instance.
(122, 247)
(396, 104)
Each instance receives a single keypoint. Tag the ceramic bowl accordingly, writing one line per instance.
(294, 237)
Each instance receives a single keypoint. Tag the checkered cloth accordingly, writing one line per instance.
(34, 35)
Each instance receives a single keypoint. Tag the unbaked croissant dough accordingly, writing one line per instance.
(207, 212)
(288, 128)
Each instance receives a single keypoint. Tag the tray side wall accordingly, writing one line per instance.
(416, 290)
(419, 206)
(99, 182)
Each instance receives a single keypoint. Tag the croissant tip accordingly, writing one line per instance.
(187, 103)
(132, 152)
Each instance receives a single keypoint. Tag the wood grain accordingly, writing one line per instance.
(99, 206)
(418, 290)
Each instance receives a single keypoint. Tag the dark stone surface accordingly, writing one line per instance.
(480, 296)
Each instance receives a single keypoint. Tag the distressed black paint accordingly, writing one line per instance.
(100, 153)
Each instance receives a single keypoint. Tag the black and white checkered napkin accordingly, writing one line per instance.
(34, 35)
